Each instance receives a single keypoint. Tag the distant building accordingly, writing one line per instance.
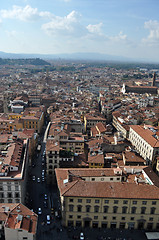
(139, 89)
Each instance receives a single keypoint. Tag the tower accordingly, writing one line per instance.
(154, 79)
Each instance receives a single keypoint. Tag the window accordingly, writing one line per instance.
(143, 209)
(71, 199)
(70, 216)
(88, 200)
(153, 202)
(79, 200)
(9, 188)
(144, 202)
(133, 210)
(124, 209)
(116, 201)
(150, 219)
(125, 202)
(132, 218)
(114, 218)
(96, 208)
(71, 207)
(50, 161)
(9, 194)
(50, 166)
(152, 210)
(105, 209)
(123, 218)
(134, 202)
(115, 209)
(95, 217)
(79, 208)
(2, 195)
(106, 201)
(93, 179)
(88, 208)
(96, 201)
(78, 216)
(17, 195)
(104, 218)
(111, 179)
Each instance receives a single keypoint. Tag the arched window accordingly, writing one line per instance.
(105, 209)
(88, 207)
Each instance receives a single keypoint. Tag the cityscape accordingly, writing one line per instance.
(79, 149)
(79, 120)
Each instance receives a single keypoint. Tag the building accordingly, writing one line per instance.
(91, 121)
(17, 222)
(13, 171)
(107, 198)
(145, 139)
(139, 89)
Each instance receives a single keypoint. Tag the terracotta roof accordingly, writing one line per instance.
(146, 134)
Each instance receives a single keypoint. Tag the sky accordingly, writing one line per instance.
(128, 28)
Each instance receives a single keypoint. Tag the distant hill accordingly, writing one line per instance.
(67, 56)
(23, 61)
(74, 56)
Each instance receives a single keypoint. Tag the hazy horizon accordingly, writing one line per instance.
(128, 29)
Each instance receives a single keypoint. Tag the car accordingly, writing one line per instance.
(43, 173)
(48, 219)
(38, 180)
(45, 204)
(39, 211)
(45, 196)
(43, 179)
(81, 236)
(33, 178)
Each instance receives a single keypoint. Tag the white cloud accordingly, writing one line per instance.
(95, 28)
(119, 37)
(153, 37)
(24, 14)
(67, 25)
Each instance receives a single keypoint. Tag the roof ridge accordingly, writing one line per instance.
(70, 187)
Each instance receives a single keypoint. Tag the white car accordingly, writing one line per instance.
(38, 180)
(45, 196)
(39, 211)
(33, 178)
(48, 219)
(81, 236)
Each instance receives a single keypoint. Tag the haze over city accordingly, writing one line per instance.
(119, 28)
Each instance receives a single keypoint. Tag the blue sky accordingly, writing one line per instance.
(128, 28)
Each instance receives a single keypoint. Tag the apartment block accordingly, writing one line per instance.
(145, 139)
(124, 199)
